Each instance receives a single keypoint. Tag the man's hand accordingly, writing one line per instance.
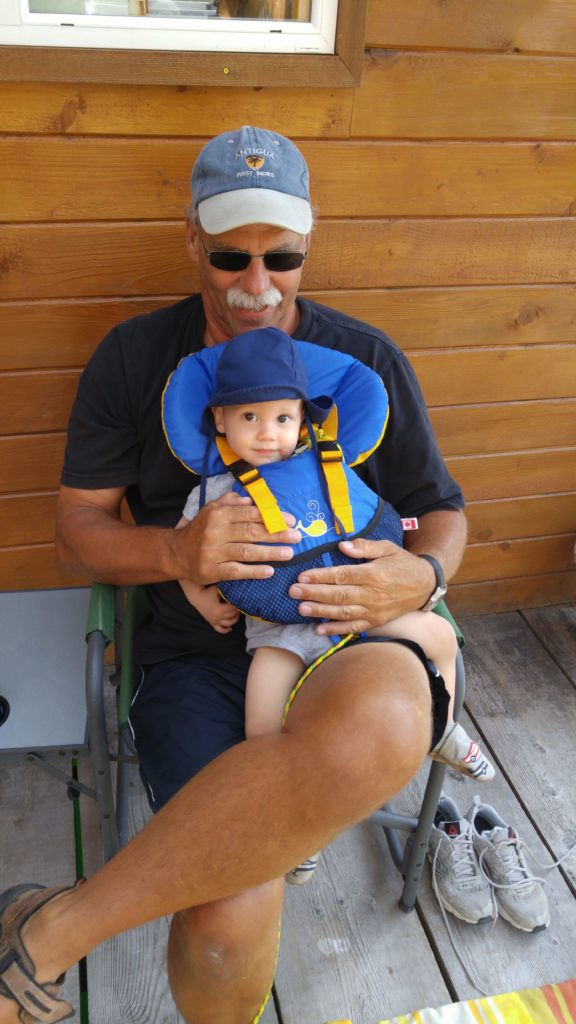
(354, 598)
(358, 597)
(228, 541)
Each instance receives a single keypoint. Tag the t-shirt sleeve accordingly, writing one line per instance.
(102, 447)
(216, 486)
(408, 467)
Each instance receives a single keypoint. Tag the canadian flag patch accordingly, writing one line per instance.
(409, 524)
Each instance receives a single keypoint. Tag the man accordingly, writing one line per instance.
(216, 852)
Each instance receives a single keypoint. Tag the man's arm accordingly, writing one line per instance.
(354, 598)
(92, 540)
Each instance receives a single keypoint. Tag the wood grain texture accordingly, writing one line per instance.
(475, 429)
(50, 261)
(465, 96)
(512, 374)
(34, 402)
(540, 707)
(51, 108)
(556, 631)
(504, 559)
(517, 25)
(517, 474)
(507, 595)
(405, 179)
(346, 951)
(511, 519)
(31, 463)
(34, 567)
(64, 332)
(27, 519)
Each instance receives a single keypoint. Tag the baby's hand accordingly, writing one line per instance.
(221, 615)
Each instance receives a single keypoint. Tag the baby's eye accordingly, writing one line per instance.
(284, 418)
(250, 417)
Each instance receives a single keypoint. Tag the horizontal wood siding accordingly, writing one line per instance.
(446, 186)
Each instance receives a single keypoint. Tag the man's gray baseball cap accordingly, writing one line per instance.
(251, 176)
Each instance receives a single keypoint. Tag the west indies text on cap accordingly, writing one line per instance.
(251, 176)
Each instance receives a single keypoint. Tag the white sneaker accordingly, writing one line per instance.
(303, 872)
(461, 753)
(458, 883)
(520, 896)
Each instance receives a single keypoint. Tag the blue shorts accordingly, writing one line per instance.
(184, 714)
(188, 711)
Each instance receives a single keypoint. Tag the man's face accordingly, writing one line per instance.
(228, 294)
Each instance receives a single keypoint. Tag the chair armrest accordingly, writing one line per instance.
(102, 611)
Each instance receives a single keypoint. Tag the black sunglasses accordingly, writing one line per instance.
(233, 262)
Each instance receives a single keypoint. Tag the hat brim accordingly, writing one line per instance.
(236, 209)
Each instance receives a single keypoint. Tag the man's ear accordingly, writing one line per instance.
(192, 240)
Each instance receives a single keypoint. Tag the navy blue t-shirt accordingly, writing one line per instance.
(115, 439)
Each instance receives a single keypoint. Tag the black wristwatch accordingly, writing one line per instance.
(441, 586)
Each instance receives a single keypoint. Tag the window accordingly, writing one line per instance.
(233, 26)
(215, 50)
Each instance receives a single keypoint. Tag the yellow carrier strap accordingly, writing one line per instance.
(331, 459)
(257, 488)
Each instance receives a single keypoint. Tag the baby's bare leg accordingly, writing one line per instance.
(272, 675)
(436, 638)
(438, 641)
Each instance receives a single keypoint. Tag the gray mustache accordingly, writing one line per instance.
(236, 298)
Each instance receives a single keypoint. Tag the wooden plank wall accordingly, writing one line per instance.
(447, 192)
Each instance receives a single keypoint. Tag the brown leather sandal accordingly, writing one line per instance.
(37, 1002)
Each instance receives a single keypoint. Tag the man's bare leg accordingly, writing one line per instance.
(358, 731)
(222, 956)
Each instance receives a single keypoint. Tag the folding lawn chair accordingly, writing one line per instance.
(113, 616)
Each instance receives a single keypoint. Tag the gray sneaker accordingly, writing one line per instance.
(520, 896)
(458, 883)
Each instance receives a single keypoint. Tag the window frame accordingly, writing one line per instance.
(197, 68)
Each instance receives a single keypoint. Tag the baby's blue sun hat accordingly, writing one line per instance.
(262, 366)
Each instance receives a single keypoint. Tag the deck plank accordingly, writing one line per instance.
(556, 629)
(526, 705)
(347, 950)
(37, 838)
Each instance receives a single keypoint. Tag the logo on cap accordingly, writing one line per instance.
(254, 162)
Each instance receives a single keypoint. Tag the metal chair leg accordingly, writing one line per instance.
(410, 856)
(98, 737)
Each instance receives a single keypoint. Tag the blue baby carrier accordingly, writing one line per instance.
(316, 485)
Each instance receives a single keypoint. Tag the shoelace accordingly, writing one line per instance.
(514, 864)
(465, 860)
(462, 852)
(529, 877)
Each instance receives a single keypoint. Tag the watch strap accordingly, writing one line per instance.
(440, 588)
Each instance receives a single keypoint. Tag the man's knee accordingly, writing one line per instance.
(215, 938)
(370, 711)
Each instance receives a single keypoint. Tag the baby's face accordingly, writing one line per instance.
(263, 432)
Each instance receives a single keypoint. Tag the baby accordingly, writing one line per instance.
(261, 432)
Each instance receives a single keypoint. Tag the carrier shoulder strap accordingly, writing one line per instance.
(256, 486)
(332, 463)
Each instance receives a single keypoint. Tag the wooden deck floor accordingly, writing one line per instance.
(347, 951)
